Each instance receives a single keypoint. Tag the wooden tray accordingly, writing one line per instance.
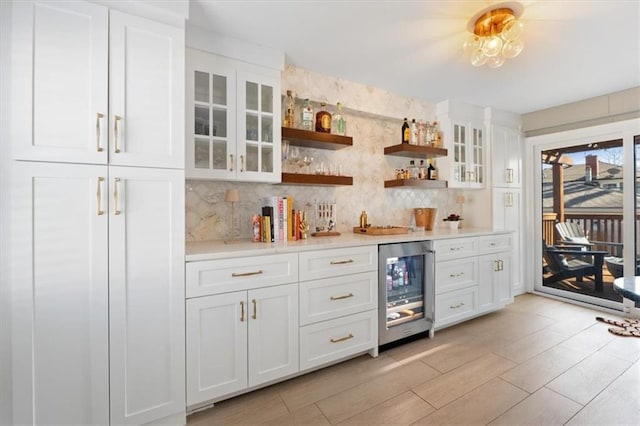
(381, 230)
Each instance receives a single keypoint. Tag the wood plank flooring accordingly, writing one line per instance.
(537, 362)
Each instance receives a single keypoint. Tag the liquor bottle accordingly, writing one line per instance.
(420, 133)
(414, 132)
(339, 126)
(422, 170)
(413, 170)
(307, 115)
(406, 133)
(289, 110)
(323, 119)
(431, 171)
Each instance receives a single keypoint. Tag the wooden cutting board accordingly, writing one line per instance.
(381, 230)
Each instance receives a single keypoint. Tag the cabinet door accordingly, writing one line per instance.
(146, 92)
(60, 294)
(504, 278)
(258, 138)
(476, 158)
(507, 156)
(273, 333)
(211, 117)
(146, 293)
(459, 169)
(216, 346)
(489, 267)
(60, 81)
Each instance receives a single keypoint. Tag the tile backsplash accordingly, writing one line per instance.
(373, 122)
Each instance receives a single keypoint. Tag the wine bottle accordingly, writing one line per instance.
(406, 133)
(431, 171)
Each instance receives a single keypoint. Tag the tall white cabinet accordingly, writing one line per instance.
(98, 223)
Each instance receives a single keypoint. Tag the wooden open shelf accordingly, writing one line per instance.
(415, 151)
(415, 183)
(318, 140)
(304, 179)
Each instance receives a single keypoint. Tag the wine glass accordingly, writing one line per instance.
(304, 162)
(294, 154)
(285, 153)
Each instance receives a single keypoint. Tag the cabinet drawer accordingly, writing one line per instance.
(332, 263)
(456, 274)
(455, 248)
(225, 275)
(456, 305)
(495, 243)
(328, 341)
(330, 298)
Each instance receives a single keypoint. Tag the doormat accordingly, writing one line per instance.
(627, 328)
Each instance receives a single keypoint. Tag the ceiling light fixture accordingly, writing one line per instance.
(496, 35)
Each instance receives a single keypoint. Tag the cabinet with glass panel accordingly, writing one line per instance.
(233, 120)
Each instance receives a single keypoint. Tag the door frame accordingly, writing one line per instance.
(624, 130)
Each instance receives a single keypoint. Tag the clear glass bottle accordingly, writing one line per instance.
(422, 170)
(413, 170)
(323, 119)
(289, 112)
(339, 126)
(414, 132)
(420, 132)
(306, 122)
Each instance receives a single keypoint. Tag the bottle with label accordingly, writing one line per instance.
(420, 133)
(339, 125)
(288, 110)
(432, 173)
(323, 119)
(414, 132)
(413, 170)
(422, 170)
(363, 219)
(307, 115)
(406, 132)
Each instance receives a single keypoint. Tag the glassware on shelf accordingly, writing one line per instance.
(294, 154)
(285, 154)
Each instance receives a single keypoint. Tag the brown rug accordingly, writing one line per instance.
(627, 328)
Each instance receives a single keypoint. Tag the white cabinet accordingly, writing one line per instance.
(96, 86)
(240, 340)
(99, 279)
(506, 156)
(464, 137)
(495, 272)
(233, 120)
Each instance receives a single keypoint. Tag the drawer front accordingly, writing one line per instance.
(455, 305)
(319, 264)
(456, 274)
(455, 248)
(332, 340)
(245, 273)
(331, 298)
(495, 243)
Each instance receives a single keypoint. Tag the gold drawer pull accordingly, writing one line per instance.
(342, 339)
(116, 120)
(340, 262)
(99, 196)
(241, 311)
(98, 131)
(246, 274)
(459, 274)
(459, 305)
(255, 309)
(346, 296)
(116, 197)
(455, 248)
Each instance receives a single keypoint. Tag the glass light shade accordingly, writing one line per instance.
(512, 48)
(492, 46)
(472, 43)
(478, 58)
(512, 30)
(495, 61)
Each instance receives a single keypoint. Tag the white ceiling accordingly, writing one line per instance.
(574, 49)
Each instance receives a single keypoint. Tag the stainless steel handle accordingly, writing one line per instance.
(246, 274)
(459, 305)
(230, 162)
(242, 163)
(241, 311)
(255, 309)
(99, 131)
(99, 196)
(340, 262)
(116, 211)
(346, 296)
(342, 339)
(116, 120)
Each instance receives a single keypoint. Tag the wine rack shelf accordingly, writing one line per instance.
(318, 140)
(415, 151)
(306, 179)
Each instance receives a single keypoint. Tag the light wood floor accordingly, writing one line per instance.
(537, 362)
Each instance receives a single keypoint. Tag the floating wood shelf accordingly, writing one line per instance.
(304, 179)
(415, 183)
(318, 140)
(415, 151)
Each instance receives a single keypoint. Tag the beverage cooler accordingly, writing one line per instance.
(406, 274)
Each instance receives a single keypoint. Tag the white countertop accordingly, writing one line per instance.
(211, 250)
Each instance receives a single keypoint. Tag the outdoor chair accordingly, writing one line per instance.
(573, 263)
(572, 234)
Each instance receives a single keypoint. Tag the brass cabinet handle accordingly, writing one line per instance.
(116, 120)
(242, 163)
(459, 305)
(509, 199)
(116, 211)
(509, 175)
(230, 162)
(346, 296)
(459, 274)
(98, 132)
(246, 274)
(455, 248)
(340, 262)
(255, 309)
(501, 265)
(342, 339)
(99, 196)
(241, 311)
(496, 266)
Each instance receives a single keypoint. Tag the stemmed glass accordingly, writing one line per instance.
(294, 155)
(305, 162)
(285, 154)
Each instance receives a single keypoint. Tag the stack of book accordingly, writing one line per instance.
(279, 220)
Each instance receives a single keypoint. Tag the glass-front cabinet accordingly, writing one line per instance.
(233, 110)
